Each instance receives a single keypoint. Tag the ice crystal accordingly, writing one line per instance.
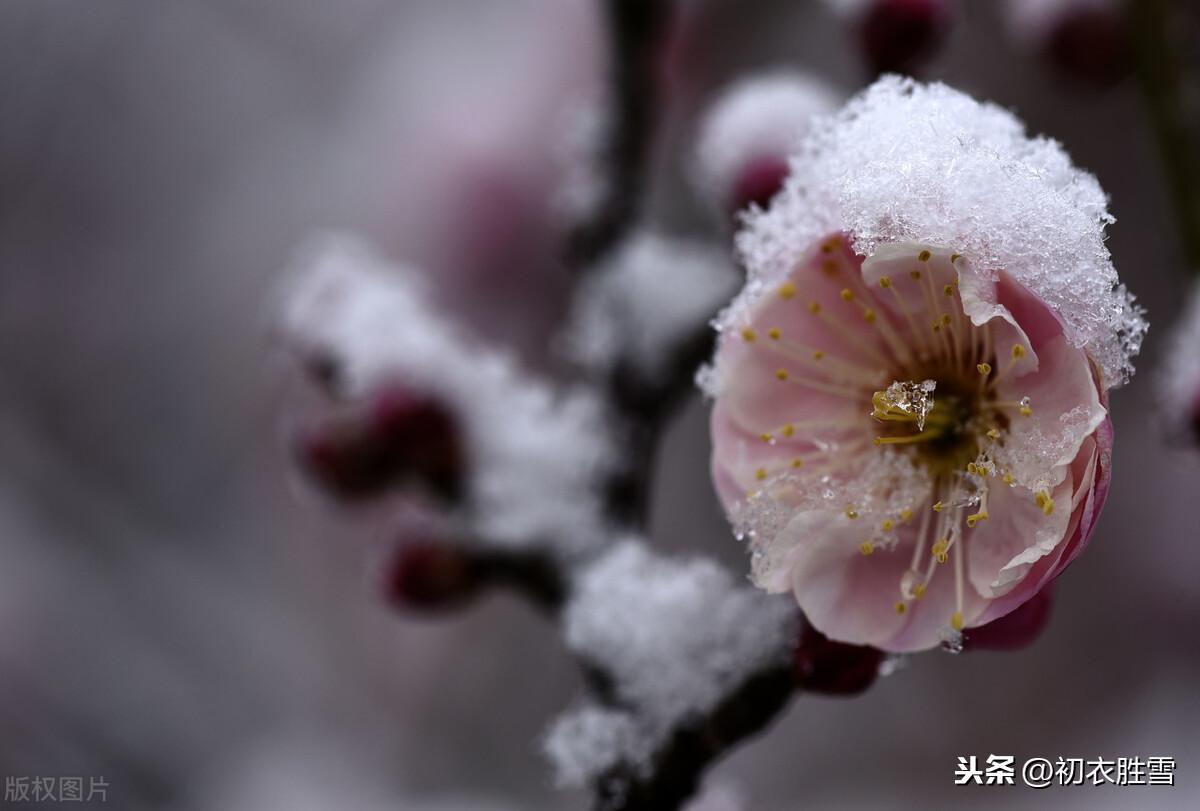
(925, 163)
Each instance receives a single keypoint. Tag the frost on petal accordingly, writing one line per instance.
(648, 296)
(536, 452)
(1179, 377)
(587, 741)
(756, 119)
(908, 162)
(675, 635)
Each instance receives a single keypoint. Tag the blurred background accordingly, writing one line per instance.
(180, 617)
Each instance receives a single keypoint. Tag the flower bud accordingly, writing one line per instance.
(900, 36)
(399, 435)
(1015, 630)
(834, 668)
(1084, 39)
(431, 576)
(758, 181)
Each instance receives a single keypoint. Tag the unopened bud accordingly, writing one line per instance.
(901, 36)
(432, 576)
(834, 668)
(397, 436)
(1014, 630)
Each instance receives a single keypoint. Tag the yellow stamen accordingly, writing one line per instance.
(851, 513)
(1018, 351)
(818, 354)
(797, 462)
(847, 294)
(775, 333)
(918, 591)
(906, 514)
(1009, 479)
(985, 369)
(948, 290)
(993, 433)
(788, 430)
(866, 547)
(787, 290)
(869, 316)
(938, 507)
(941, 550)
(916, 274)
(760, 474)
(901, 608)
(954, 257)
(781, 374)
(924, 256)
(814, 307)
(749, 335)
(975, 518)
(765, 437)
(956, 621)
(887, 525)
(885, 282)
(1045, 502)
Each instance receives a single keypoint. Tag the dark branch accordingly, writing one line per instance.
(1168, 61)
(636, 29)
(680, 765)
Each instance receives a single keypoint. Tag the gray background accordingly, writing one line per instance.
(177, 615)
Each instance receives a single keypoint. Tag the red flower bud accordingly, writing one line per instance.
(1015, 630)
(834, 668)
(758, 181)
(398, 436)
(1090, 43)
(900, 36)
(432, 576)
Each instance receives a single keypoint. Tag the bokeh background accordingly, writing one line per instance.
(179, 615)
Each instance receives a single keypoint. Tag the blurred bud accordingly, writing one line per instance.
(399, 435)
(901, 36)
(834, 668)
(758, 181)
(432, 576)
(1084, 39)
(1014, 630)
(747, 134)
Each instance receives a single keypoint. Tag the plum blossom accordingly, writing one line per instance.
(910, 424)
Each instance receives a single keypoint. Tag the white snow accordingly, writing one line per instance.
(676, 636)
(1178, 379)
(649, 296)
(905, 161)
(536, 452)
(762, 116)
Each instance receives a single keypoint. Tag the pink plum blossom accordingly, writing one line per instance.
(910, 424)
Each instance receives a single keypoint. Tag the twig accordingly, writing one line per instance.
(636, 29)
(1160, 26)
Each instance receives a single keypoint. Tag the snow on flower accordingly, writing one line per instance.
(536, 453)
(748, 133)
(910, 423)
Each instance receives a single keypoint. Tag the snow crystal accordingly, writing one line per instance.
(646, 299)
(925, 163)
(675, 635)
(537, 452)
(763, 116)
(1179, 377)
(587, 741)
